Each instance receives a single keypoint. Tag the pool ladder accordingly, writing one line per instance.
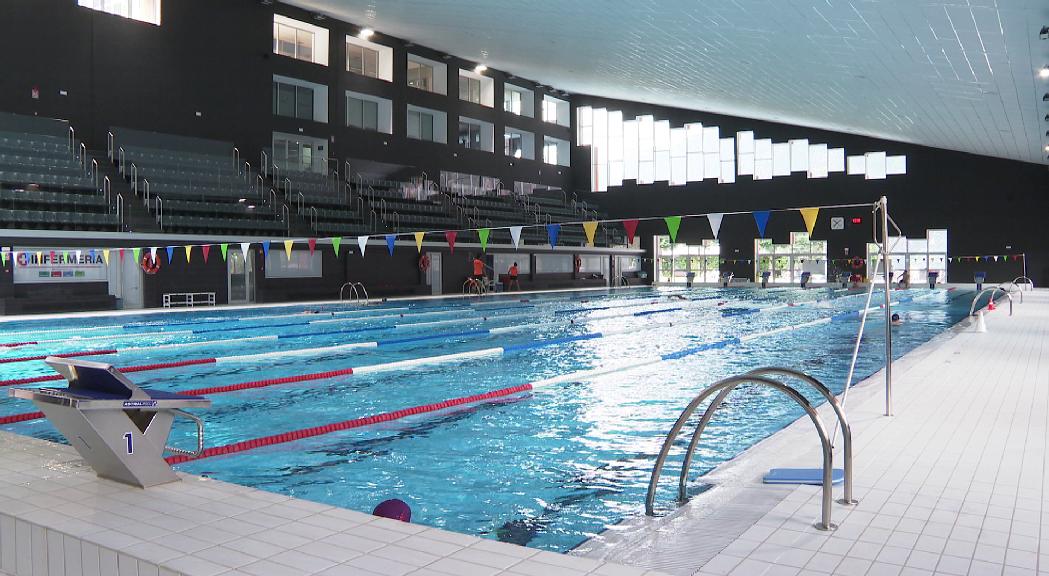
(761, 377)
(357, 292)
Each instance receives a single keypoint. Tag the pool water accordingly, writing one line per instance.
(548, 468)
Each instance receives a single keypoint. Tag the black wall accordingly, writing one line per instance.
(988, 205)
(216, 58)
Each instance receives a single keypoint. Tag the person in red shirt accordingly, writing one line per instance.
(513, 278)
(478, 268)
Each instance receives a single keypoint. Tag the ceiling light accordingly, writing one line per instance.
(365, 33)
(1044, 72)
(481, 68)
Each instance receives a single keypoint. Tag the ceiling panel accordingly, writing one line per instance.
(955, 74)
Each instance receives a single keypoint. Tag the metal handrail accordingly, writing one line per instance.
(158, 211)
(313, 212)
(972, 309)
(145, 192)
(134, 178)
(247, 171)
(357, 289)
(1028, 281)
(727, 385)
(273, 200)
(285, 215)
(1013, 288)
(72, 141)
(120, 160)
(120, 210)
(302, 202)
(94, 174)
(236, 157)
(107, 189)
(200, 436)
(83, 156)
(260, 185)
(287, 186)
(110, 145)
(264, 163)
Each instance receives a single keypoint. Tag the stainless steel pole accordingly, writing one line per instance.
(888, 304)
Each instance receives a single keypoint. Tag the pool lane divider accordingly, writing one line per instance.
(295, 435)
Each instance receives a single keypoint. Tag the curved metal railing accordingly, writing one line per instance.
(357, 291)
(761, 377)
(1027, 281)
(993, 291)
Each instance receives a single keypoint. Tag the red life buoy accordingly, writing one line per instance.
(424, 263)
(857, 263)
(150, 265)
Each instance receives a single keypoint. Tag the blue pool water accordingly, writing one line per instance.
(547, 468)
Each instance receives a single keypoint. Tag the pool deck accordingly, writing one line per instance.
(953, 483)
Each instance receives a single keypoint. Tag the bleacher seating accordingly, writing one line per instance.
(196, 186)
(44, 182)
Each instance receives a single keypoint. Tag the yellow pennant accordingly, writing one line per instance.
(189, 252)
(591, 229)
(809, 214)
(105, 255)
(287, 247)
(419, 240)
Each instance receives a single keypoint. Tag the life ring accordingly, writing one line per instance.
(150, 265)
(857, 263)
(577, 264)
(424, 263)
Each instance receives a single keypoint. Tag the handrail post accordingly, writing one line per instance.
(110, 145)
(106, 189)
(134, 178)
(145, 192)
(72, 142)
(94, 173)
(264, 163)
(236, 158)
(884, 203)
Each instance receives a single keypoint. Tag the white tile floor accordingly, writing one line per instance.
(953, 484)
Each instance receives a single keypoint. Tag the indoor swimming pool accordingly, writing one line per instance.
(552, 457)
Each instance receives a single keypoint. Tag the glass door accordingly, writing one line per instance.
(241, 275)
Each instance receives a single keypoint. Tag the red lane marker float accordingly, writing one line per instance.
(270, 382)
(65, 355)
(15, 418)
(17, 344)
(346, 425)
(143, 368)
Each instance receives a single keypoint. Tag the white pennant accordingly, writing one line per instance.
(80, 252)
(153, 253)
(515, 235)
(995, 258)
(362, 241)
(715, 223)
(244, 247)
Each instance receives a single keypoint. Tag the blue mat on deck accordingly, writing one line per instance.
(802, 476)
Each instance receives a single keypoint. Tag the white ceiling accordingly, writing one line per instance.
(955, 74)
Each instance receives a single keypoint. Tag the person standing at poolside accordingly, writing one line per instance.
(512, 273)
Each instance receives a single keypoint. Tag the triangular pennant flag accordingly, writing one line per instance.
(715, 223)
(122, 255)
(995, 258)
(482, 235)
(289, 245)
(552, 231)
(590, 228)
(105, 255)
(312, 243)
(419, 241)
(450, 237)
(761, 218)
(244, 246)
(3, 257)
(950, 259)
(390, 239)
(189, 252)
(673, 224)
(515, 235)
(809, 214)
(336, 241)
(266, 249)
(152, 254)
(224, 248)
(171, 253)
(136, 252)
(80, 253)
(205, 250)
(631, 228)
(362, 241)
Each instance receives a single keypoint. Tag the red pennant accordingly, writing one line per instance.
(450, 237)
(206, 249)
(631, 229)
(121, 254)
(313, 245)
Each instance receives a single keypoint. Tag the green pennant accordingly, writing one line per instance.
(224, 248)
(137, 252)
(482, 235)
(3, 257)
(673, 223)
(336, 241)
